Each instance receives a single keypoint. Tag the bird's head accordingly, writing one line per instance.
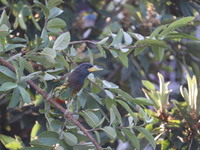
(84, 69)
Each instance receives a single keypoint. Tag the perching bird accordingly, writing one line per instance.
(73, 82)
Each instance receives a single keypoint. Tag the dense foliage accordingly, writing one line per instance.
(147, 96)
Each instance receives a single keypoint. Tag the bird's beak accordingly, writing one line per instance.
(95, 68)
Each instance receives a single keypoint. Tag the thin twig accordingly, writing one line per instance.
(83, 41)
(2, 95)
(56, 105)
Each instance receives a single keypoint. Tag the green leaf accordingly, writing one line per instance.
(4, 30)
(70, 138)
(4, 78)
(132, 138)
(103, 41)
(158, 52)
(157, 30)
(137, 36)
(120, 136)
(94, 89)
(46, 139)
(25, 95)
(147, 84)
(176, 24)
(114, 53)
(7, 72)
(110, 85)
(62, 61)
(21, 69)
(15, 98)
(10, 143)
(165, 144)
(125, 105)
(110, 94)
(124, 59)
(56, 125)
(110, 132)
(73, 51)
(56, 23)
(112, 116)
(45, 10)
(48, 76)
(139, 50)
(46, 60)
(150, 42)
(27, 65)
(126, 96)
(96, 97)
(177, 35)
(35, 130)
(62, 41)
(21, 20)
(147, 134)
(116, 111)
(8, 86)
(18, 40)
(91, 119)
(97, 136)
(4, 19)
(91, 56)
(103, 53)
(127, 38)
(54, 3)
(49, 52)
(143, 101)
(54, 12)
(44, 36)
(13, 46)
(30, 76)
(117, 40)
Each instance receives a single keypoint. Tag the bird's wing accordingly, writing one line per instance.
(62, 91)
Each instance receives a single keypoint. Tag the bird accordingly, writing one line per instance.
(73, 82)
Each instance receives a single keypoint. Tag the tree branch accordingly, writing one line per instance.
(83, 41)
(56, 105)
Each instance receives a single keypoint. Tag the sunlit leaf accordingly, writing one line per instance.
(35, 130)
(70, 138)
(127, 38)
(25, 95)
(10, 143)
(56, 23)
(110, 132)
(54, 12)
(8, 86)
(4, 19)
(54, 3)
(90, 118)
(176, 24)
(62, 41)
